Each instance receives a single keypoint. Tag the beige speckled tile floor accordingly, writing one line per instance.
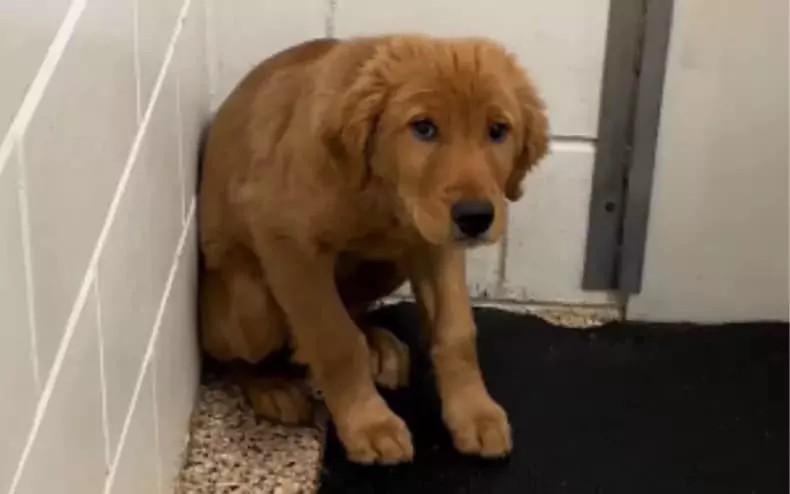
(231, 452)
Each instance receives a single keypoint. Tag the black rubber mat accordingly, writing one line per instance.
(625, 408)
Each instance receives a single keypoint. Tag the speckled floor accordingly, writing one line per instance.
(232, 452)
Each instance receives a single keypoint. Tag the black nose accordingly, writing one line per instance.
(473, 217)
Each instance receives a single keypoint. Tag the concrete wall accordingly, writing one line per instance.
(717, 246)
(100, 108)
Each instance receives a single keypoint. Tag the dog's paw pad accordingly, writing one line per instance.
(389, 359)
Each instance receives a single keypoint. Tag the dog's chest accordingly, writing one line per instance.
(372, 228)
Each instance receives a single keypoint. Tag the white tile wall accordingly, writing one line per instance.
(72, 426)
(17, 373)
(28, 29)
(98, 146)
(139, 469)
(547, 227)
(175, 362)
(155, 22)
(244, 32)
(193, 104)
(74, 158)
(134, 263)
(483, 267)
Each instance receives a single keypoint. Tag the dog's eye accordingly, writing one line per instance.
(498, 131)
(424, 129)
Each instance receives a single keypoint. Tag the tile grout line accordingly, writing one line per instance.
(102, 371)
(27, 258)
(151, 347)
(574, 145)
(90, 273)
(157, 442)
(39, 84)
(110, 476)
(49, 386)
(329, 19)
(180, 142)
(593, 139)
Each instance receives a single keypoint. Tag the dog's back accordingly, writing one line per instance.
(226, 148)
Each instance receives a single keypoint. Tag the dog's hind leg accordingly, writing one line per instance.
(243, 327)
(281, 399)
(389, 358)
(361, 284)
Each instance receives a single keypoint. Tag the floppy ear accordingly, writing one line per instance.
(534, 137)
(352, 113)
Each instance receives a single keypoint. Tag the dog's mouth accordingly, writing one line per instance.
(465, 240)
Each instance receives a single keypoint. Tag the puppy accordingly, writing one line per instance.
(333, 173)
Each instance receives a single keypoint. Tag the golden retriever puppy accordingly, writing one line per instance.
(334, 172)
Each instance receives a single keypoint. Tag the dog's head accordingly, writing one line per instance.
(452, 126)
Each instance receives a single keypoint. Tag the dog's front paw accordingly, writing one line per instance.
(376, 435)
(479, 427)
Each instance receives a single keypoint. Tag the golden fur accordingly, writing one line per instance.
(318, 197)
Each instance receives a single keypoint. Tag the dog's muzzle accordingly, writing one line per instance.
(472, 217)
